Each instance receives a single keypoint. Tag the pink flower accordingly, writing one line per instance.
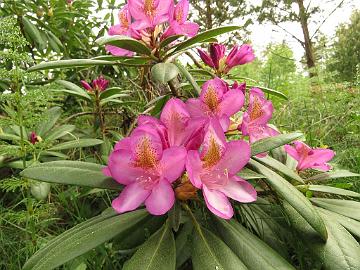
(239, 55)
(216, 101)
(149, 13)
(147, 170)
(178, 23)
(214, 171)
(257, 116)
(123, 28)
(99, 84)
(33, 138)
(309, 158)
(176, 127)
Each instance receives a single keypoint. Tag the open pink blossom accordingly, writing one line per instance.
(149, 13)
(147, 171)
(99, 84)
(214, 171)
(309, 158)
(123, 28)
(239, 55)
(178, 25)
(216, 101)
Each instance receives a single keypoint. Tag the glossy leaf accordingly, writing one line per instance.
(294, 197)
(73, 63)
(157, 253)
(126, 43)
(347, 208)
(76, 144)
(82, 238)
(169, 40)
(164, 72)
(71, 173)
(270, 143)
(252, 251)
(58, 132)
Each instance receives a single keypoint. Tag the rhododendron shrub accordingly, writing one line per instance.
(203, 179)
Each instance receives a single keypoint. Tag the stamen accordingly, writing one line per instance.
(179, 15)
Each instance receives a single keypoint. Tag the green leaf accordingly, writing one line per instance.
(269, 91)
(280, 167)
(347, 208)
(204, 36)
(157, 253)
(332, 175)
(54, 42)
(58, 132)
(71, 173)
(270, 143)
(9, 137)
(40, 190)
(248, 174)
(169, 40)
(294, 197)
(126, 43)
(50, 117)
(175, 216)
(82, 238)
(33, 33)
(188, 77)
(183, 243)
(332, 190)
(164, 72)
(69, 64)
(114, 98)
(111, 91)
(252, 251)
(73, 88)
(210, 252)
(76, 144)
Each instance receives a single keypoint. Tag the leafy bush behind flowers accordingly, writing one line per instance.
(222, 187)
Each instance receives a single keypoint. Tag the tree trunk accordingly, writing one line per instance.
(209, 22)
(309, 51)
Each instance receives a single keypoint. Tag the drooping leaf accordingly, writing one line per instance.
(252, 251)
(83, 238)
(269, 91)
(58, 132)
(294, 197)
(210, 252)
(126, 43)
(76, 144)
(333, 190)
(347, 208)
(157, 253)
(71, 173)
(332, 175)
(33, 33)
(188, 77)
(270, 143)
(164, 72)
(73, 63)
(280, 167)
(73, 88)
(50, 118)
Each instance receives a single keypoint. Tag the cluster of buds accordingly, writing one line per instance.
(98, 85)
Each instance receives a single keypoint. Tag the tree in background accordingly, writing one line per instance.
(300, 11)
(345, 52)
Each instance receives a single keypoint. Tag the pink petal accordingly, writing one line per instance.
(118, 51)
(239, 190)
(181, 11)
(161, 199)
(117, 29)
(106, 171)
(224, 122)
(124, 144)
(194, 168)
(86, 85)
(236, 156)
(213, 90)
(206, 58)
(189, 29)
(232, 102)
(218, 203)
(291, 151)
(214, 140)
(323, 167)
(194, 134)
(217, 51)
(322, 155)
(173, 163)
(195, 107)
(130, 198)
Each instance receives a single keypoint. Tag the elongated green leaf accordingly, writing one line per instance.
(340, 251)
(252, 251)
(183, 244)
(332, 175)
(332, 190)
(248, 174)
(9, 137)
(294, 197)
(126, 43)
(58, 132)
(71, 173)
(269, 91)
(33, 33)
(347, 208)
(169, 40)
(280, 167)
(111, 91)
(76, 144)
(83, 238)
(164, 72)
(50, 118)
(210, 252)
(54, 42)
(74, 88)
(204, 36)
(115, 98)
(73, 63)
(158, 253)
(270, 143)
(55, 154)
(188, 77)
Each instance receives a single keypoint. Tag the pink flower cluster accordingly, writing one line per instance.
(99, 84)
(145, 19)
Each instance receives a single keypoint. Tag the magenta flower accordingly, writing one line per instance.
(149, 13)
(100, 84)
(214, 171)
(309, 158)
(257, 116)
(216, 101)
(178, 23)
(33, 138)
(239, 55)
(147, 170)
(123, 28)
